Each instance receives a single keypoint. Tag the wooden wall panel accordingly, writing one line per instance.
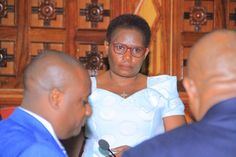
(28, 27)
(93, 19)
(193, 19)
(78, 28)
(8, 44)
(231, 8)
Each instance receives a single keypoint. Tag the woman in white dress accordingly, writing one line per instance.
(129, 107)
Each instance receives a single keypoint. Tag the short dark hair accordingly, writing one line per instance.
(129, 21)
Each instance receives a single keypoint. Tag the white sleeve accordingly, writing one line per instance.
(167, 86)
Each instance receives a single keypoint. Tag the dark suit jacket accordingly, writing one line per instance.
(213, 136)
(21, 135)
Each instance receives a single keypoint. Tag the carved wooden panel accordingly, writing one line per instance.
(198, 15)
(78, 27)
(45, 14)
(193, 19)
(8, 44)
(93, 19)
(49, 13)
(94, 14)
(7, 64)
(231, 14)
(7, 12)
(30, 26)
(92, 57)
(7, 54)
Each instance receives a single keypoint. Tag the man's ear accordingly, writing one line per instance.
(106, 45)
(193, 96)
(190, 87)
(55, 98)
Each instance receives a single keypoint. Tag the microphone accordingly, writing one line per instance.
(103, 144)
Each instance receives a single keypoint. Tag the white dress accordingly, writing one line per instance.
(129, 121)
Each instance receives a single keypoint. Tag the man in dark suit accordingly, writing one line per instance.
(211, 87)
(54, 107)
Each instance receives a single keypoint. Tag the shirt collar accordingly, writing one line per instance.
(47, 125)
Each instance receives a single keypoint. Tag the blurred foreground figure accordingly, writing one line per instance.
(55, 106)
(211, 87)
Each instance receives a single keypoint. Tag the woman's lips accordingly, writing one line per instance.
(125, 66)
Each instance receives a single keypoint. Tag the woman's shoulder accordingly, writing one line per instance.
(160, 79)
(93, 79)
(93, 83)
(96, 81)
(164, 84)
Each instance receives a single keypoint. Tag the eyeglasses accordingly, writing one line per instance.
(121, 49)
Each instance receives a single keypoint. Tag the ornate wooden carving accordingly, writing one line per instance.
(198, 15)
(3, 8)
(233, 16)
(94, 12)
(94, 60)
(4, 57)
(47, 11)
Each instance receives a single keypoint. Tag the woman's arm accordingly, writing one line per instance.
(172, 122)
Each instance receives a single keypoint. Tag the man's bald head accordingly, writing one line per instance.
(212, 70)
(215, 52)
(48, 70)
(57, 88)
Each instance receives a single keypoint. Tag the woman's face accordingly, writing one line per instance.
(126, 65)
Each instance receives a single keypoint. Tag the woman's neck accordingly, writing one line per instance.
(123, 86)
(122, 80)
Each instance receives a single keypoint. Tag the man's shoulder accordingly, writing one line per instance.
(14, 138)
(22, 141)
(25, 146)
(167, 144)
(41, 150)
(11, 132)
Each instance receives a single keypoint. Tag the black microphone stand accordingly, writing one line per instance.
(112, 153)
